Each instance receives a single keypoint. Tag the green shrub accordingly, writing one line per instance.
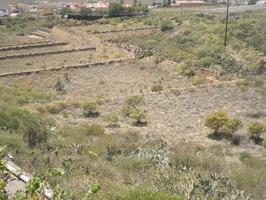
(231, 126)
(156, 88)
(90, 109)
(13, 142)
(59, 86)
(223, 127)
(112, 119)
(166, 25)
(186, 70)
(139, 116)
(185, 41)
(255, 130)
(214, 51)
(12, 118)
(66, 11)
(85, 11)
(22, 95)
(264, 143)
(131, 104)
(205, 62)
(216, 121)
(115, 9)
(36, 130)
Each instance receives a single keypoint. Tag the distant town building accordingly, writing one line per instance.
(2, 13)
(261, 2)
(99, 5)
(73, 6)
(11, 9)
(188, 3)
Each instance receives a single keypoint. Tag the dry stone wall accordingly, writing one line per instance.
(84, 65)
(126, 30)
(45, 53)
(35, 45)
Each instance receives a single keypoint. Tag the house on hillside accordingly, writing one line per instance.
(2, 13)
(261, 2)
(96, 5)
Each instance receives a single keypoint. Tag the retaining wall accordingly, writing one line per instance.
(85, 65)
(29, 46)
(126, 30)
(45, 53)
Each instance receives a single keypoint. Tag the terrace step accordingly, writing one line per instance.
(46, 53)
(36, 45)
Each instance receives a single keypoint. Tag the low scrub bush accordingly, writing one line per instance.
(12, 118)
(222, 125)
(36, 130)
(90, 109)
(166, 25)
(199, 80)
(52, 108)
(216, 120)
(34, 127)
(60, 86)
(93, 130)
(186, 70)
(255, 130)
(231, 126)
(156, 88)
(264, 143)
(112, 119)
(138, 116)
(23, 95)
(185, 41)
(131, 104)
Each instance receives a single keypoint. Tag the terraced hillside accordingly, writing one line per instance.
(127, 120)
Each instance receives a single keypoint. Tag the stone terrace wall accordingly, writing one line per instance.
(126, 30)
(45, 53)
(84, 65)
(34, 45)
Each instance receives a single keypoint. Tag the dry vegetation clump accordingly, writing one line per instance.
(131, 103)
(112, 119)
(157, 88)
